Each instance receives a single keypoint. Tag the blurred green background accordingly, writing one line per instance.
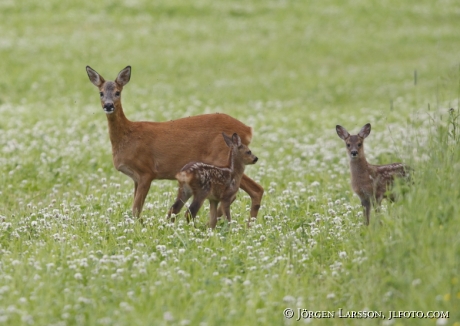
(323, 55)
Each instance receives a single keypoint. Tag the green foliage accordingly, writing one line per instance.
(70, 252)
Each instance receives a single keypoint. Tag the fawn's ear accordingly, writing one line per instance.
(342, 132)
(94, 77)
(124, 76)
(365, 131)
(227, 139)
(236, 140)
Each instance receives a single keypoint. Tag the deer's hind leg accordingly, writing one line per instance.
(195, 206)
(255, 191)
(183, 194)
(213, 213)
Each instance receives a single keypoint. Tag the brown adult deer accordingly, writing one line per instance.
(158, 150)
(217, 184)
(370, 182)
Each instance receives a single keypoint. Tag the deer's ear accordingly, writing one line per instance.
(342, 132)
(124, 76)
(365, 131)
(227, 139)
(94, 77)
(236, 139)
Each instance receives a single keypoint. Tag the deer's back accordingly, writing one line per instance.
(169, 145)
(391, 171)
(383, 176)
(201, 177)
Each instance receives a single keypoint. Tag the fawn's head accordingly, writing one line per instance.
(354, 143)
(109, 91)
(240, 151)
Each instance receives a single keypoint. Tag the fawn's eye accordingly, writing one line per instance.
(117, 93)
(359, 145)
(348, 145)
(248, 152)
(101, 94)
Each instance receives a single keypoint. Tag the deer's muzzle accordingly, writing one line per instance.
(108, 107)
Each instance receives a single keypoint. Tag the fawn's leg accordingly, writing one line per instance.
(213, 213)
(226, 208)
(183, 194)
(367, 209)
(378, 202)
(220, 209)
(195, 206)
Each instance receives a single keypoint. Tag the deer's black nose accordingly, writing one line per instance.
(354, 153)
(108, 107)
(256, 159)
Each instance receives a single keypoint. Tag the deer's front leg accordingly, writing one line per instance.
(141, 189)
(255, 191)
(220, 209)
(367, 208)
(226, 208)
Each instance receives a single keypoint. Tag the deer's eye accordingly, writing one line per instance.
(101, 94)
(117, 93)
(359, 145)
(348, 145)
(248, 152)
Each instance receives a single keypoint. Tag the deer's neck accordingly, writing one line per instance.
(236, 167)
(119, 126)
(359, 167)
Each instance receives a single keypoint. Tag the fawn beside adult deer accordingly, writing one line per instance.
(217, 184)
(369, 182)
(158, 150)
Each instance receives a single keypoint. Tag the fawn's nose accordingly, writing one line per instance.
(255, 160)
(354, 153)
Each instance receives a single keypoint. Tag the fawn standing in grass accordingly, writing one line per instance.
(369, 182)
(218, 184)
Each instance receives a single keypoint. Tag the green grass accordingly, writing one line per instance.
(70, 254)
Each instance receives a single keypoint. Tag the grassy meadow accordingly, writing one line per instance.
(70, 251)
